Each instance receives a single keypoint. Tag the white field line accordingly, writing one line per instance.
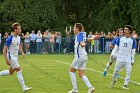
(93, 70)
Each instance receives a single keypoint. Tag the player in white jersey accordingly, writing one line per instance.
(80, 60)
(113, 56)
(10, 52)
(125, 48)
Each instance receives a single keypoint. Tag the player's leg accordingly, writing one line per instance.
(7, 72)
(112, 59)
(21, 80)
(128, 68)
(118, 66)
(82, 75)
(73, 77)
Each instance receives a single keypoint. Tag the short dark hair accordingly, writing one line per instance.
(79, 26)
(14, 26)
(129, 27)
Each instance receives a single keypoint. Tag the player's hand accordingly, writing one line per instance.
(132, 64)
(8, 62)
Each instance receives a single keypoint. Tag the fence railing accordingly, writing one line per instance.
(101, 45)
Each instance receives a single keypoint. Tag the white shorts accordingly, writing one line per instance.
(127, 66)
(80, 63)
(112, 59)
(13, 61)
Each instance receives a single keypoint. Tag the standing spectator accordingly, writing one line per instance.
(135, 36)
(39, 42)
(96, 42)
(58, 42)
(32, 42)
(139, 43)
(108, 42)
(27, 42)
(0, 39)
(46, 43)
(22, 39)
(68, 40)
(102, 41)
(6, 35)
(114, 34)
(52, 41)
(0, 43)
(90, 45)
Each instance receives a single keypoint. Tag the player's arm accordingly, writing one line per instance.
(5, 55)
(133, 56)
(81, 40)
(133, 52)
(111, 46)
(21, 51)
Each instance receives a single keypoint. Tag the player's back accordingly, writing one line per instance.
(125, 49)
(79, 50)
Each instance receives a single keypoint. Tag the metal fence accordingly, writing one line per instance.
(101, 45)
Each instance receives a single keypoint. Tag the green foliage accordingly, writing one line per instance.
(105, 15)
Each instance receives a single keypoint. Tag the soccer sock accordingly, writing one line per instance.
(86, 81)
(107, 67)
(4, 72)
(73, 80)
(20, 79)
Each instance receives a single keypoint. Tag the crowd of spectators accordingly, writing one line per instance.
(52, 41)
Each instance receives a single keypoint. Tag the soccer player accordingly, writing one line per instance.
(125, 48)
(80, 60)
(10, 52)
(113, 56)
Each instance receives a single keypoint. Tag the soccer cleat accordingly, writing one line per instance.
(125, 87)
(112, 84)
(90, 90)
(27, 89)
(73, 91)
(104, 74)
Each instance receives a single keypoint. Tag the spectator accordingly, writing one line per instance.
(68, 40)
(52, 41)
(6, 35)
(108, 42)
(58, 42)
(39, 42)
(46, 43)
(96, 42)
(135, 36)
(114, 34)
(32, 42)
(0, 39)
(102, 41)
(27, 42)
(90, 45)
(22, 39)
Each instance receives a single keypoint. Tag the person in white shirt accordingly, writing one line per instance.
(10, 51)
(32, 42)
(27, 42)
(80, 60)
(39, 42)
(125, 49)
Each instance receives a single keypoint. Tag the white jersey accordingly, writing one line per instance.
(79, 50)
(13, 45)
(125, 47)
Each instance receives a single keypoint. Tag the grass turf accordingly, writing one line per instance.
(50, 74)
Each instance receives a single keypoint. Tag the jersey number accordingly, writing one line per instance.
(125, 44)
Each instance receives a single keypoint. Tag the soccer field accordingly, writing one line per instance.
(50, 74)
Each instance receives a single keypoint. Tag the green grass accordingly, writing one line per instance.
(46, 75)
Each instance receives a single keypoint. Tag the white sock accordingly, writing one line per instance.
(20, 79)
(86, 81)
(4, 73)
(107, 67)
(73, 80)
